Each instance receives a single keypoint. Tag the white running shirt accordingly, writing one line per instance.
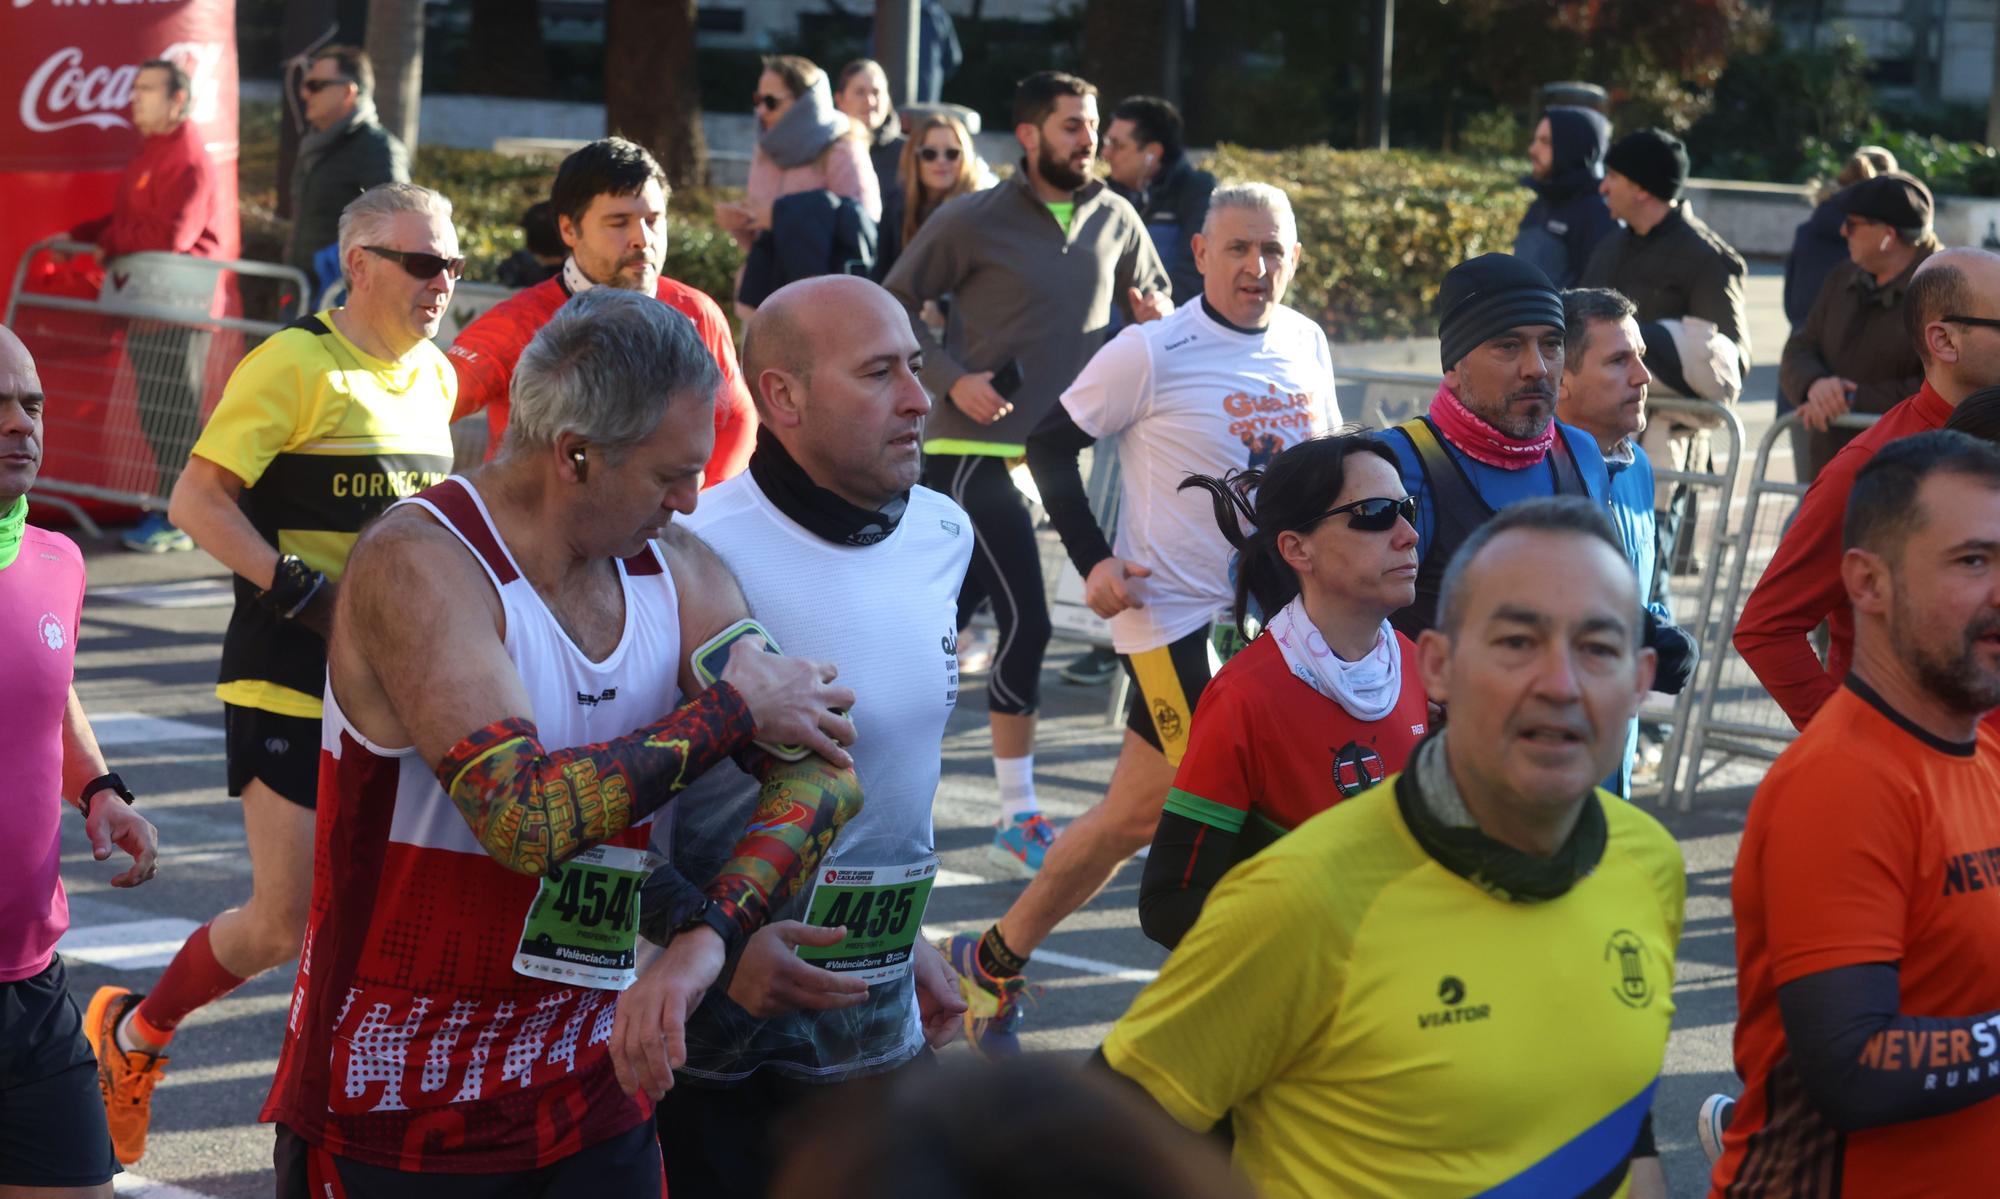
(1189, 395)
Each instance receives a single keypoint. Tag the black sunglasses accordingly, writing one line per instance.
(1377, 515)
(419, 265)
(765, 101)
(933, 153)
(1984, 322)
(316, 86)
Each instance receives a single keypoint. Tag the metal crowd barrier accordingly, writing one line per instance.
(131, 374)
(1735, 719)
(1378, 399)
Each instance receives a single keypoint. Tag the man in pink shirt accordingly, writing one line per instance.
(52, 1127)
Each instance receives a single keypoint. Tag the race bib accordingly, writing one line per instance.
(583, 928)
(882, 908)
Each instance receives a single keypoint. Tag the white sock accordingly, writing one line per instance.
(1017, 787)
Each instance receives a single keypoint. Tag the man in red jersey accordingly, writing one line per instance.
(1953, 312)
(610, 199)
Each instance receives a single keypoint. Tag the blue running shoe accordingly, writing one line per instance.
(1019, 844)
(993, 1012)
(154, 535)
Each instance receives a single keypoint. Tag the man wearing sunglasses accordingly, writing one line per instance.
(610, 198)
(1952, 310)
(1223, 384)
(319, 430)
(1491, 437)
(345, 151)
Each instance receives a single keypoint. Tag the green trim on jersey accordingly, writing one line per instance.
(1206, 811)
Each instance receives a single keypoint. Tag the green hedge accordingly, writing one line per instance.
(1380, 229)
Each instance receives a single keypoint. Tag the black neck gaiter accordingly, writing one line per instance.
(819, 511)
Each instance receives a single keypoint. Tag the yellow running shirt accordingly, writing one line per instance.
(1380, 1026)
(324, 437)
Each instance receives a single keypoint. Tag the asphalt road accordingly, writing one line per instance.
(152, 631)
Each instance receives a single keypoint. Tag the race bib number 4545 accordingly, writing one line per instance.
(882, 909)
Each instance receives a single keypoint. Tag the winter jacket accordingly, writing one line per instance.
(165, 202)
(1679, 269)
(1817, 248)
(1568, 218)
(1023, 291)
(1855, 331)
(1173, 207)
(334, 166)
(811, 234)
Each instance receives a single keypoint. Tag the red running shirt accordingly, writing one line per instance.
(1265, 744)
(485, 352)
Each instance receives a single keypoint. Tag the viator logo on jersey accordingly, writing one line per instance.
(1451, 993)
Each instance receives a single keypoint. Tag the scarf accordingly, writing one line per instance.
(1468, 431)
(316, 142)
(13, 527)
(807, 128)
(574, 281)
(819, 511)
(1367, 688)
(1429, 799)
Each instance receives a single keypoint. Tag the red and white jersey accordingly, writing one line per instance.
(412, 1042)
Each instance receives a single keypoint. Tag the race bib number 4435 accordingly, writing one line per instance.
(882, 909)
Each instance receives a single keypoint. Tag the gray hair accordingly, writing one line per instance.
(370, 216)
(1256, 197)
(606, 367)
(1582, 306)
(1571, 514)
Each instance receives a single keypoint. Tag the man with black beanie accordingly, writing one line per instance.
(1688, 286)
(1491, 437)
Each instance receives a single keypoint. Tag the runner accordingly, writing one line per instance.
(1324, 706)
(844, 558)
(1032, 269)
(610, 198)
(1217, 386)
(505, 698)
(1864, 892)
(53, 1139)
(1459, 981)
(319, 429)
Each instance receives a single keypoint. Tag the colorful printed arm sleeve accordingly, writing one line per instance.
(800, 809)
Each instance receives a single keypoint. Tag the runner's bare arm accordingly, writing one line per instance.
(112, 822)
(419, 660)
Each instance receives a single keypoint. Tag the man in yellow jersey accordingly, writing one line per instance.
(320, 428)
(1459, 981)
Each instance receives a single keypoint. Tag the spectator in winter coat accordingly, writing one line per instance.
(344, 153)
(1568, 217)
(1150, 169)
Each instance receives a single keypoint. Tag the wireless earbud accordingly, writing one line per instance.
(1886, 239)
(582, 466)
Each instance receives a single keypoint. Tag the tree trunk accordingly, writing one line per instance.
(504, 54)
(650, 92)
(1124, 46)
(396, 44)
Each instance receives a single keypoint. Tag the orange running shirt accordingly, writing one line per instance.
(1869, 841)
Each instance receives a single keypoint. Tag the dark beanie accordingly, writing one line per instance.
(1897, 200)
(1652, 158)
(1484, 297)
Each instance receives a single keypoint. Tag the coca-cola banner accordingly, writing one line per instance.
(66, 74)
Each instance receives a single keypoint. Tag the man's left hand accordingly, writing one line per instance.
(1148, 306)
(649, 1033)
(113, 823)
(939, 1003)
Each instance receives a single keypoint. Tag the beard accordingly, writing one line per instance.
(1954, 675)
(1521, 425)
(1057, 172)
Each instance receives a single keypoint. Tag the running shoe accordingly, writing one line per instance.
(1019, 844)
(993, 1006)
(976, 650)
(155, 535)
(1093, 667)
(1710, 1123)
(126, 1079)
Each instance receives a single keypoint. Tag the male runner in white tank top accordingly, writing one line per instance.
(504, 713)
(844, 558)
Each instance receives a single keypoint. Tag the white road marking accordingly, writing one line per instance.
(185, 593)
(134, 728)
(961, 878)
(127, 944)
(132, 1186)
(1069, 961)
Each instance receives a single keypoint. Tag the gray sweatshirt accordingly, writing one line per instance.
(1021, 292)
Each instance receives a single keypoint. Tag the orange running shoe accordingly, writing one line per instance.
(126, 1079)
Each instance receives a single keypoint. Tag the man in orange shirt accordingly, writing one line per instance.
(1952, 310)
(1867, 888)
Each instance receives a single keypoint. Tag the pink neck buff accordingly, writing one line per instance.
(1467, 431)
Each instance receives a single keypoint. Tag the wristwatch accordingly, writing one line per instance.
(102, 782)
(710, 914)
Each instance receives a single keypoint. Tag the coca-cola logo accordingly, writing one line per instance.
(63, 93)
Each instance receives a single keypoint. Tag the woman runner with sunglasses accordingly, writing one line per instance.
(1322, 706)
(938, 164)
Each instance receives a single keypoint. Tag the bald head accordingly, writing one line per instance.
(1965, 282)
(801, 322)
(20, 419)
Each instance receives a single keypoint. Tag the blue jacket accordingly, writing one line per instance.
(1817, 248)
(1568, 217)
(1496, 485)
(1631, 504)
(812, 233)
